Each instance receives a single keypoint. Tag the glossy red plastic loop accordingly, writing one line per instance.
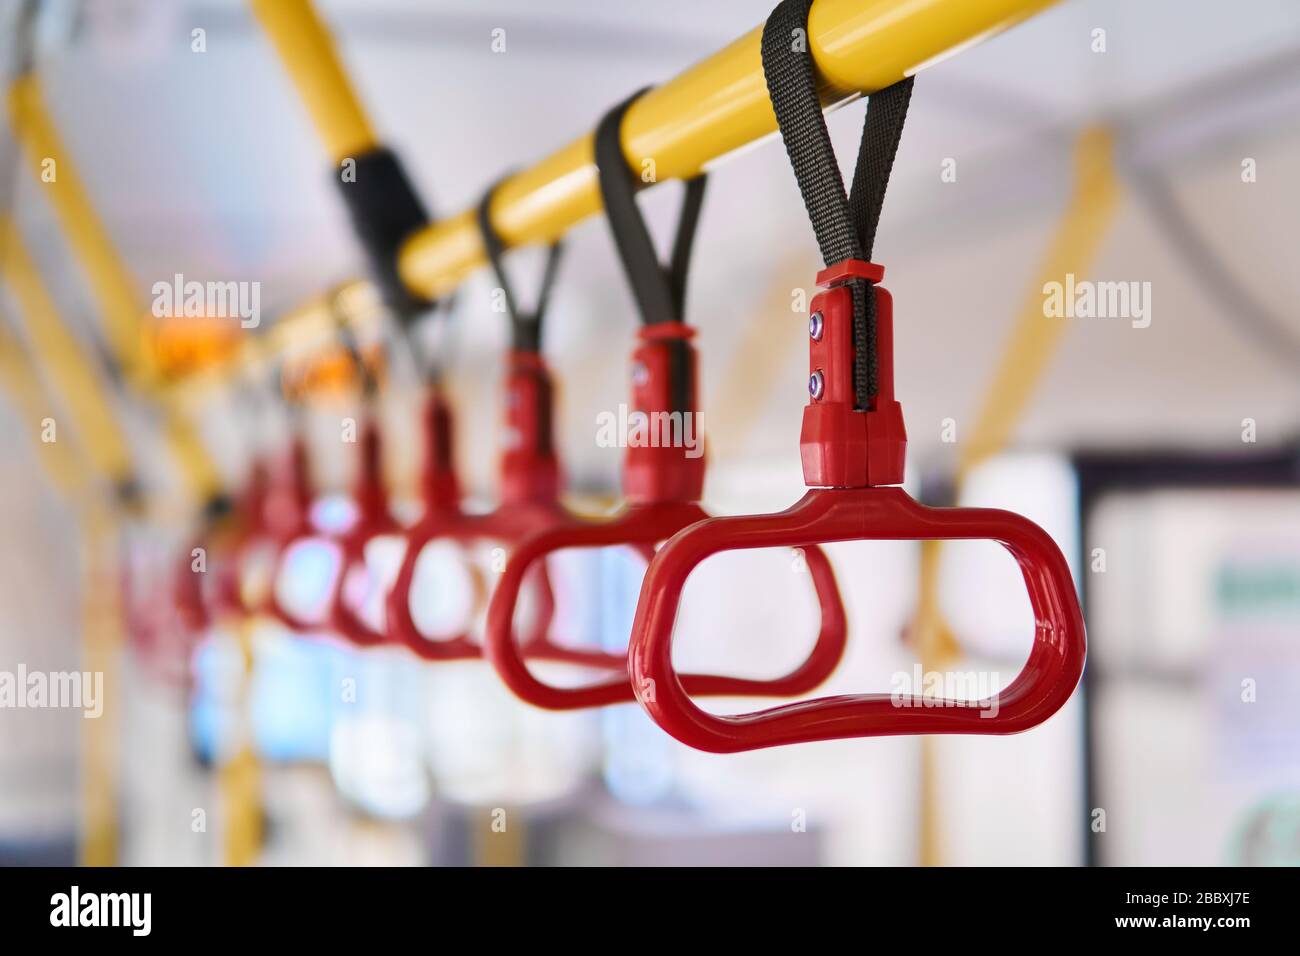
(662, 484)
(825, 515)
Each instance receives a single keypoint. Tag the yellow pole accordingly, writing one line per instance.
(1033, 342)
(712, 109)
(101, 649)
(76, 379)
(307, 50)
(101, 633)
(110, 280)
(240, 776)
(65, 466)
(1034, 339)
(497, 837)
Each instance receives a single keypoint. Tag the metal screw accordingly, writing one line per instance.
(815, 384)
(815, 326)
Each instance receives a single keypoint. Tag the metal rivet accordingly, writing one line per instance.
(815, 384)
(815, 326)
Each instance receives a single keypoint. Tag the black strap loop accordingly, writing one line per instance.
(426, 342)
(385, 209)
(525, 327)
(845, 224)
(347, 338)
(660, 292)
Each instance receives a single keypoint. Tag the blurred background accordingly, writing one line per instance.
(1150, 142)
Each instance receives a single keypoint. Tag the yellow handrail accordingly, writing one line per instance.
(714, 108)
(710, 110)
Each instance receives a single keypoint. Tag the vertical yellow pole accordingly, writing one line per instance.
(101, 435)
(110, 280)
(1033, 342)
(101, 650)
(308, 53)
(63, 461)
(499, 839)
(77, 380)
(240, 777)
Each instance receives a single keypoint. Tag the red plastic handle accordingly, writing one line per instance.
(662, 483)
(397, 605)
(441, 492)
(508, 526)
(287, 518)
(847, 514)
(373, 520)
(530, 479)
(218, 589)
(272, 605)
(188, 592)
(642, 527)
(343, 618)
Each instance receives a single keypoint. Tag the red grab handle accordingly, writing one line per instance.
(507, 525)
(848, 514)
(373, 520)
(343, 618)
(220, 594)
(662, 485)
(397, 605)
(440, 489)
(287, 517)
(642, 527)
(188, 592)
(530, 479)
(860, 454)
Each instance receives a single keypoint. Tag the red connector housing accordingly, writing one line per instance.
(842, 446)
(530, 471)
(663, 472)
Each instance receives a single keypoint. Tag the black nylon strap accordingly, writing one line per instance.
(845, 224)
(347, 338)
(660, 292)
(525, 327)
(428, 354)
(385, 209)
